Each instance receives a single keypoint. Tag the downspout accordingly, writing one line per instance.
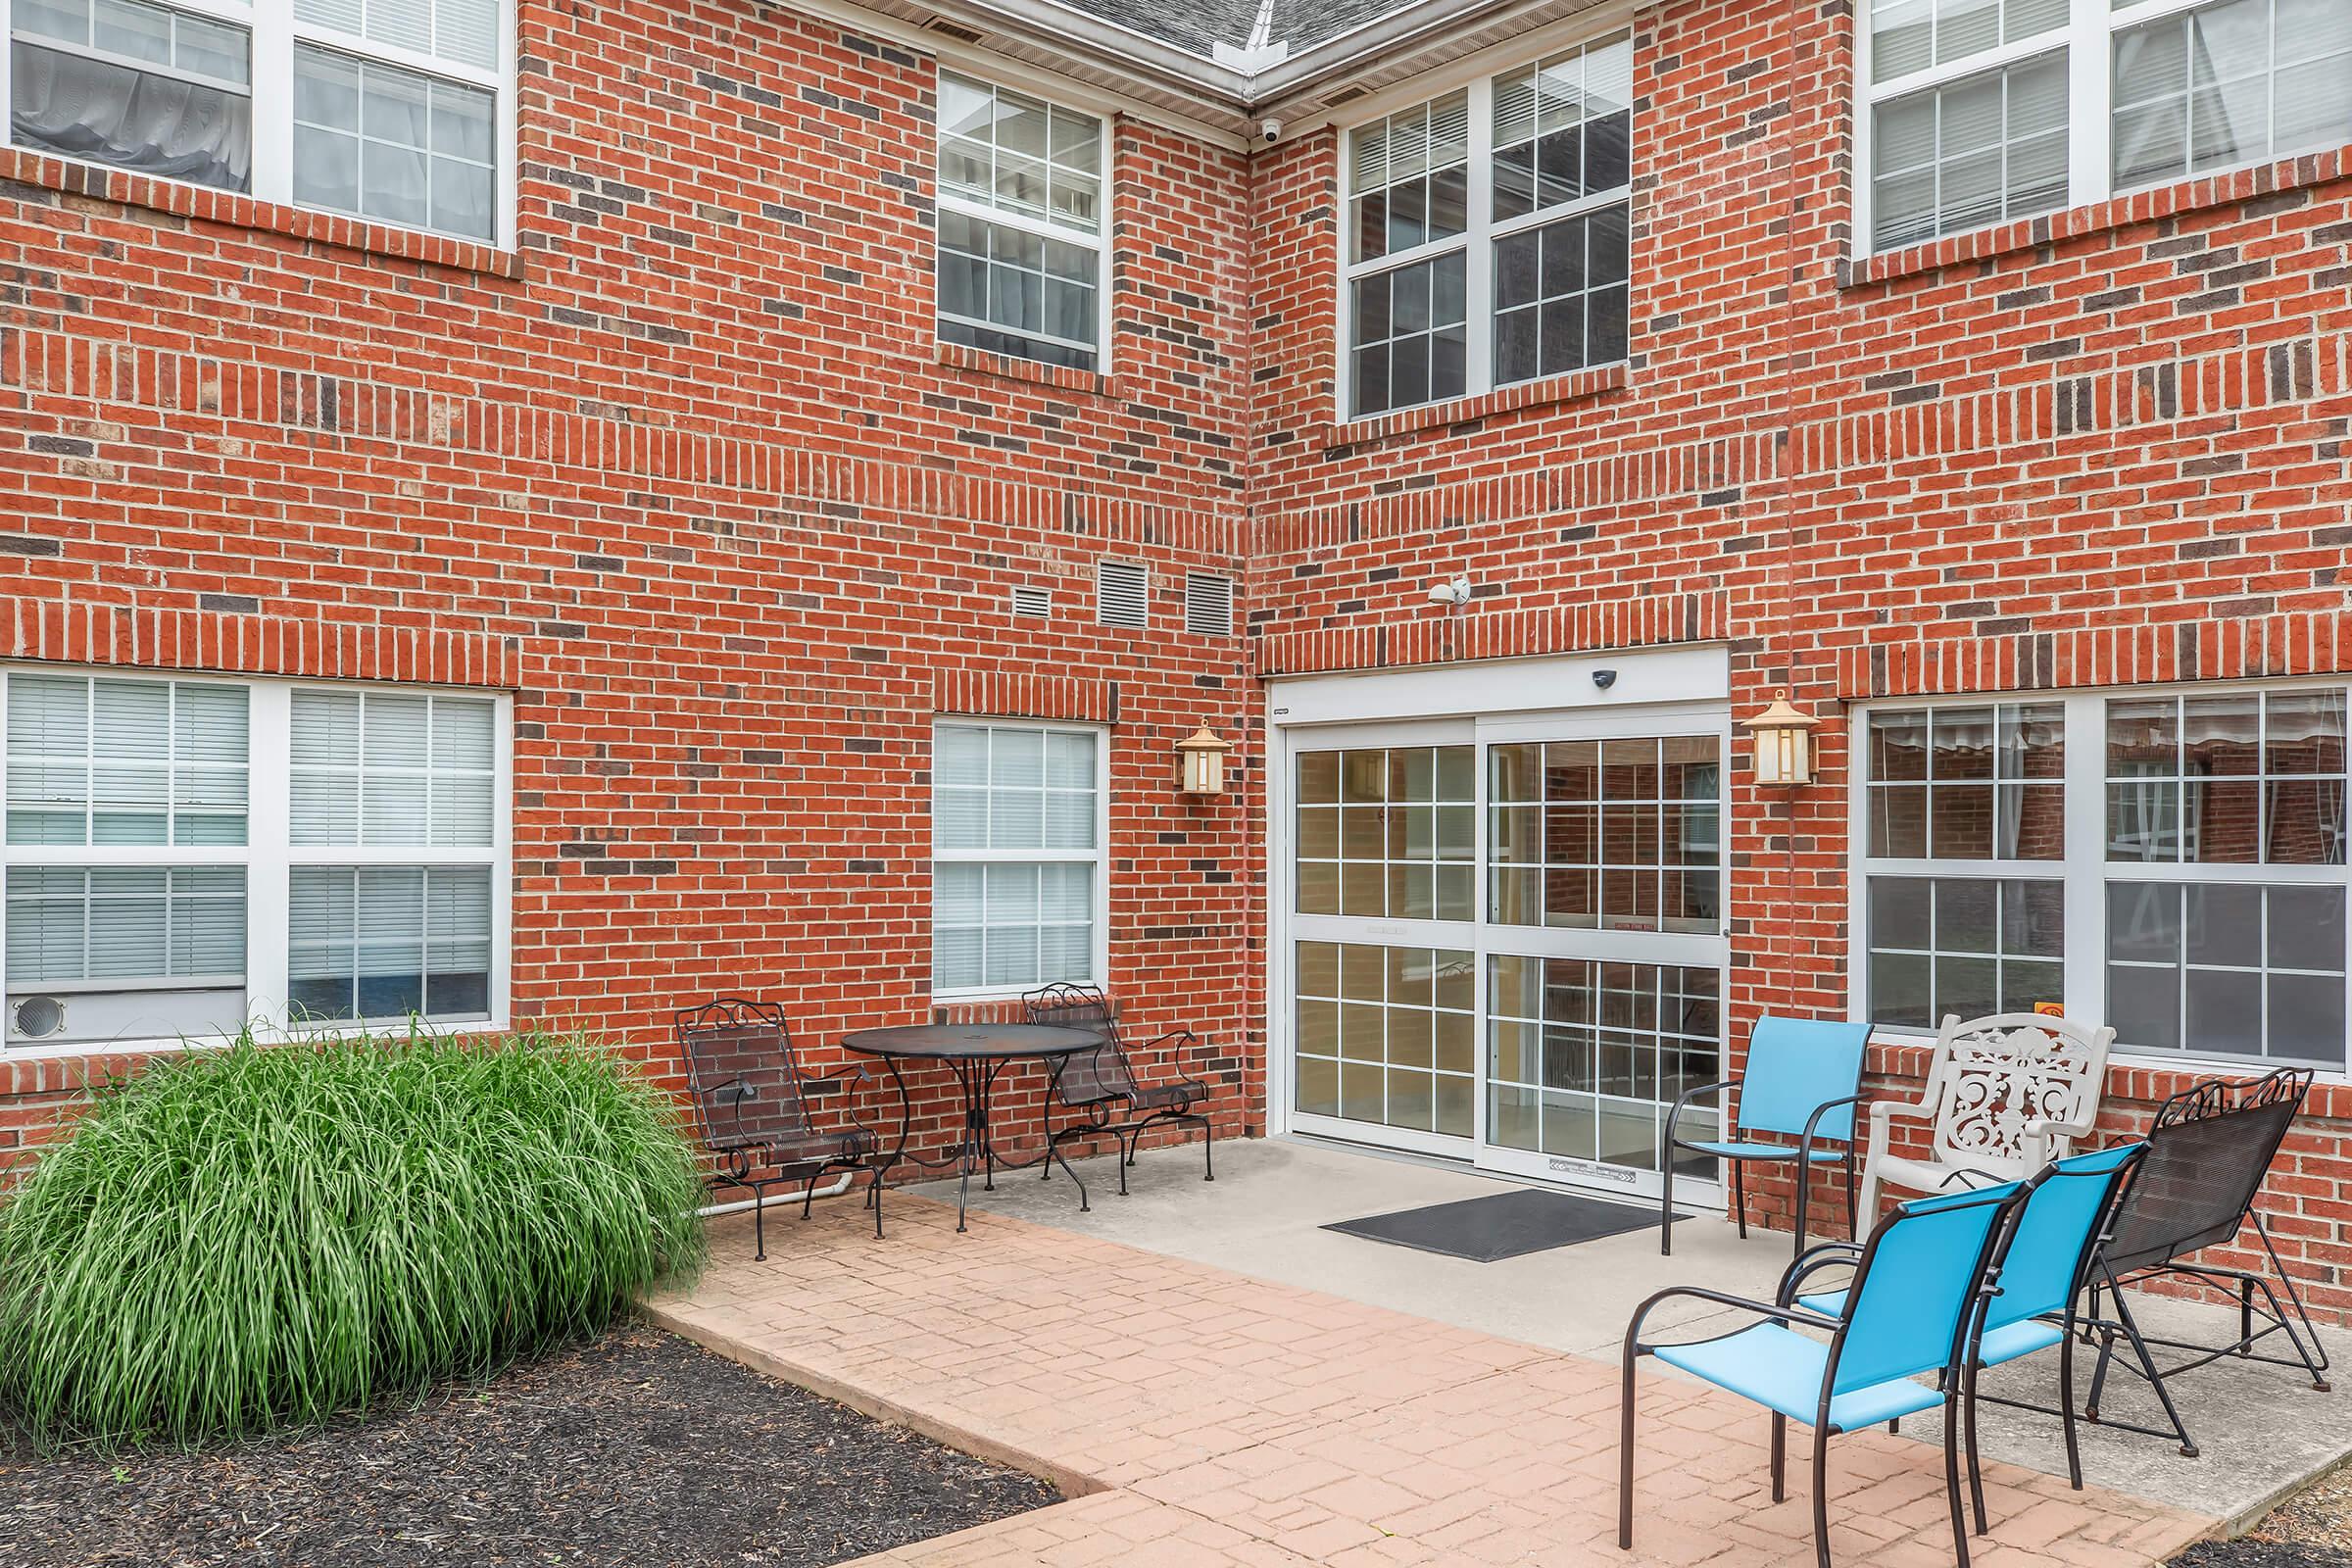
(744, 1205)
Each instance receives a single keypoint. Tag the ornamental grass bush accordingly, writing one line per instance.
(258, 1236)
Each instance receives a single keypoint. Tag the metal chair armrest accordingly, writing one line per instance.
(1828, 1254)
(1813, 1122)
(865, 1079)
(1770, 1310)
(1689, 1094)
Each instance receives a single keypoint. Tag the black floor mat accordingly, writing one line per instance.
(1504, 1225)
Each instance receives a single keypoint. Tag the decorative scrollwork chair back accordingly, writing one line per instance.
(2004, 1096)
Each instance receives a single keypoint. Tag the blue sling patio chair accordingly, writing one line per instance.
(1918, 1284)
(2046, 1265)
(1803, 1080)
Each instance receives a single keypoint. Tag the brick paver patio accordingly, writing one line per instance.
(1203, 1418)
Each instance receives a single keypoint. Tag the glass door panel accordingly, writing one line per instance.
(1509, 952)
(1385, 1036)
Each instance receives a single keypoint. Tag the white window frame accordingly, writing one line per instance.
(269, 854)
(274, 32)
(1480, 230)
(2089, 40)
(2084, 869)
(949, 201)
(1098, 857)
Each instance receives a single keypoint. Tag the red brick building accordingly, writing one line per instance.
(523, 514)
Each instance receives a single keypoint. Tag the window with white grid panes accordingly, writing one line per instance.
(1017, 859)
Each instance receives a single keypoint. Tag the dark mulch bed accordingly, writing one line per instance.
(639, 1450)
(2313, 1528)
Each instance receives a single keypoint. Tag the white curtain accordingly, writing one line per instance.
(131, 118)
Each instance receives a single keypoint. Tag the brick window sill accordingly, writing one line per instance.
(978, 362)
(1341, 435)
(71, 178)
(2141, 207)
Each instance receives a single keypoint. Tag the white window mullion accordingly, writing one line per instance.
(2089, 111)
(2085, 858)
(274, 101)
(266, 909)
(1478, 349)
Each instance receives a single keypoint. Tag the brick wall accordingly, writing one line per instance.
(2100, 448)
(689, 474)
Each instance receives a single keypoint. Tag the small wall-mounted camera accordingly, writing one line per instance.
(1270, 128)
(1603, 679)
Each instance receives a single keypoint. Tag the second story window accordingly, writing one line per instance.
(389, 112)
(1488, 232)
(1979, 113)
(1023, 225)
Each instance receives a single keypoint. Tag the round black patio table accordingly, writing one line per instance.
(975, 1052)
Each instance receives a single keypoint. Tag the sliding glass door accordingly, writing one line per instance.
(1505, 937)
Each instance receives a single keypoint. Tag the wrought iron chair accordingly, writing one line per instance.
(1802, 1079)
(753, 1106)
(2047, 1260)
(2209, 1150)
(2005, 1095)
(1920, 1282)
(1101, 1082)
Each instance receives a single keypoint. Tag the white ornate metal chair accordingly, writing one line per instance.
(2005, 1095)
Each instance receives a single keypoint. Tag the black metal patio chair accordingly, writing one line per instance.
(1100, 1084)
(757, 1112)
(2208, 1151)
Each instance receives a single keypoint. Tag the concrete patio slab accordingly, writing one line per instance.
(2263, 1429)
(1209, 1418)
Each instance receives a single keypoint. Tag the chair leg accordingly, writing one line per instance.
(2147, 1364)
(1625, 1451)
(1666, 1205)
(1739, 1199)
(1780, 1458)
(758, 1224)
(1951, 1481)
(873, 1192)
(1804, 1203)
(1821, 1496)
(1208, 1135)
(1853, 1213)
(808, 1194)
(1045, 1127)
(2066, 1406)
(1125, 1159)
(1975, 1462)
(2313, 1354)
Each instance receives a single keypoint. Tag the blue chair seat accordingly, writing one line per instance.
(2004, 1344)
(1744, 1149)
(1781, 1370)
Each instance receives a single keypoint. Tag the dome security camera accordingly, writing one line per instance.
(1270, 128)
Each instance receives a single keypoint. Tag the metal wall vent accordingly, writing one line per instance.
(1208, 604)
(36, 1018)
(955, 30)
(1033, 603)
(1122, 593)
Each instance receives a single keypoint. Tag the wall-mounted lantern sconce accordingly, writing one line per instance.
(1784, 737)
(1200, 762)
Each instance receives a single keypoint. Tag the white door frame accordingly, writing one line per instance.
(1681, 690)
